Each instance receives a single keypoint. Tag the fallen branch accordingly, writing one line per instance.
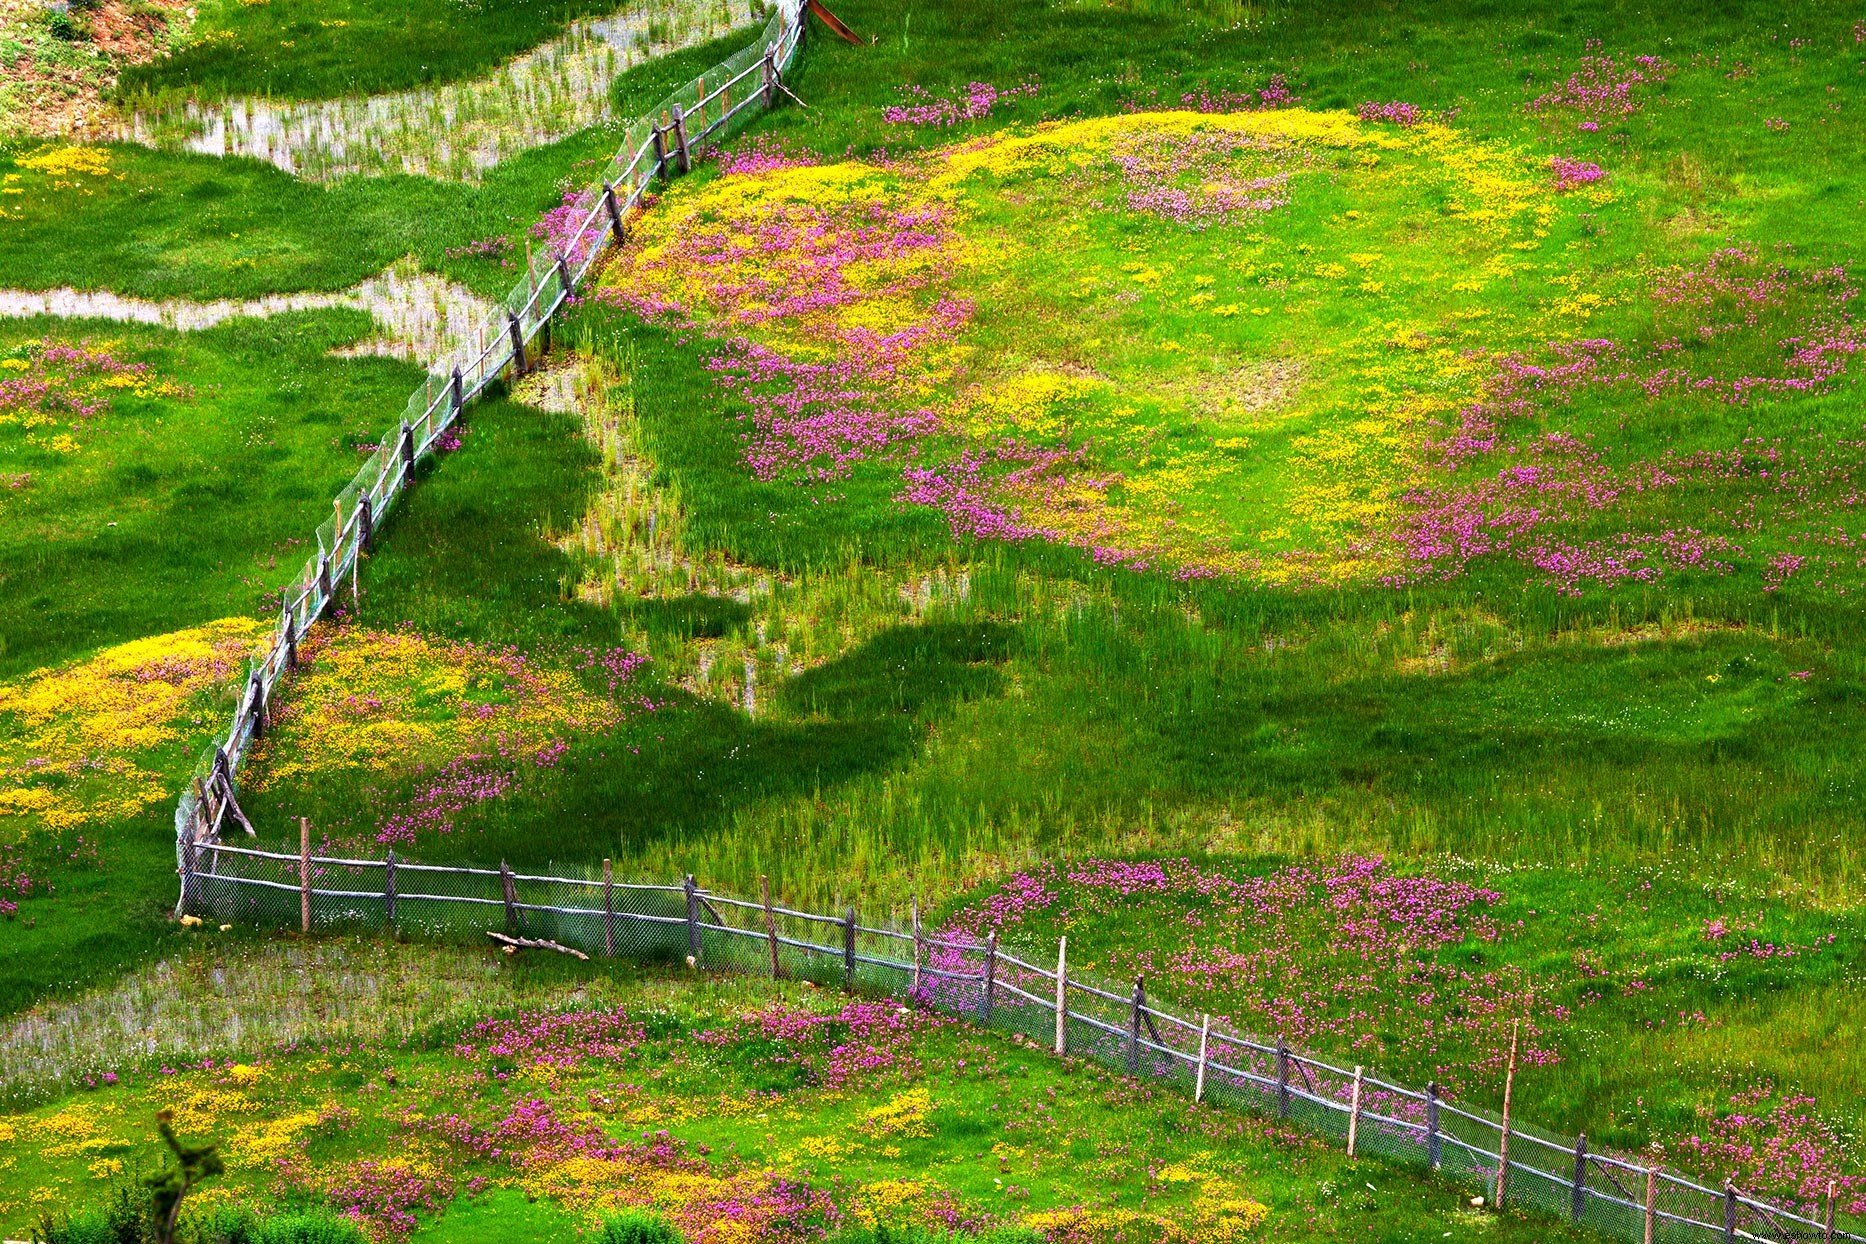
(533, 943)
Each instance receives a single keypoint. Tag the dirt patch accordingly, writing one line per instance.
(55, 83)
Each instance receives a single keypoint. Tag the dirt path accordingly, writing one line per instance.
(457, 130)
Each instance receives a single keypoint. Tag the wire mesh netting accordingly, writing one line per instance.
(708, 109)
(985, 984)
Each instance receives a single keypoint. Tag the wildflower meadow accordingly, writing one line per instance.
(1345, 518)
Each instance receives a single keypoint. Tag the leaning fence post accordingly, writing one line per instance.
(563, 273)
(1354, 1114)
(693, 921)
(1652, 1202)
(764, 891)
(770, 77)
(848, 951)
(1062, 996)
(986, 995)
(388, 890)
(609, 910)
(1205, 1038)
(660, 152)
(1282, 1078)
(1579, 1205)
(1503, 1140)
(518, 338)
(680, 141)
(919, 946)
(1729, 1213)
(510, 891)
(304, 875)
(1133, 1029)
(615, 212)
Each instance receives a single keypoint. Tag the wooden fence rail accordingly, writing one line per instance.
(985, 983)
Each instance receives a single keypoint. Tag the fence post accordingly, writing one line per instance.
(615, 211)
(609, 909)
(1133, 1028)
(518, 338)
(1431, 1125)
(770, 77)
(1652, 1202)
(1205, 1037)
(919, 946)
(1503, 1140)
(986, 995)
(693, 921)
(1282, 1078)
(510, 891)
(290, 621)
(771, 942)
(187, 878)
(1354, 1114)
(1062, 996)
(388, 890)
(256, 687)
(1729, 1213)
(304, 875)
(365, 522)
(848, 952)
(680, 141)
(660, 151)
(1579, 1206)
(323, 580)
(456, 384)
(408, 453)
(1827, 1236)
(563, 273)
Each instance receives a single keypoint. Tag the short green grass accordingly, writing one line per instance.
(319, 49)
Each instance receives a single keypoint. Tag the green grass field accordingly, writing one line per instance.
(1346, 433)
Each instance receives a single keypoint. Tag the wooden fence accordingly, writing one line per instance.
(992, 985)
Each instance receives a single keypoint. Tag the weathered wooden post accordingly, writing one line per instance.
(848, 951)
(1503, 1140)
(1133, 1029)
(1205, 1036)
(1578, 1194)
(609, 910)
(1062, 996)
(187, 874)
(289, 625)
(1432, 1142)
(615, 213)
(1354, 1114)
(304, 875)
(660, 152)
(456, 392)
(771, 941)
(256, 702)
(563, 274)
(1827, 1235)
(509, 889)
(408, 454)
(680, 141)
(919, 946)
(693, 921)
(990, 978)
(770, 77)
(699, 101)
(518, 339)
(388, 890)
(1282, 1078)
(1729, 1213)
(365, 521)
(1652, 1203)
(323, 580)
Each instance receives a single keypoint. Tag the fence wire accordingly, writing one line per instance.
(662, 143)
(1548, 1174)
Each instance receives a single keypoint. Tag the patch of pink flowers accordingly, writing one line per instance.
(974, 103)
(765, 153)
(1775, 1147)
(1394, 112)
(859, 1043)
(1605, 87)
(560, 1039)
(1572, 173)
